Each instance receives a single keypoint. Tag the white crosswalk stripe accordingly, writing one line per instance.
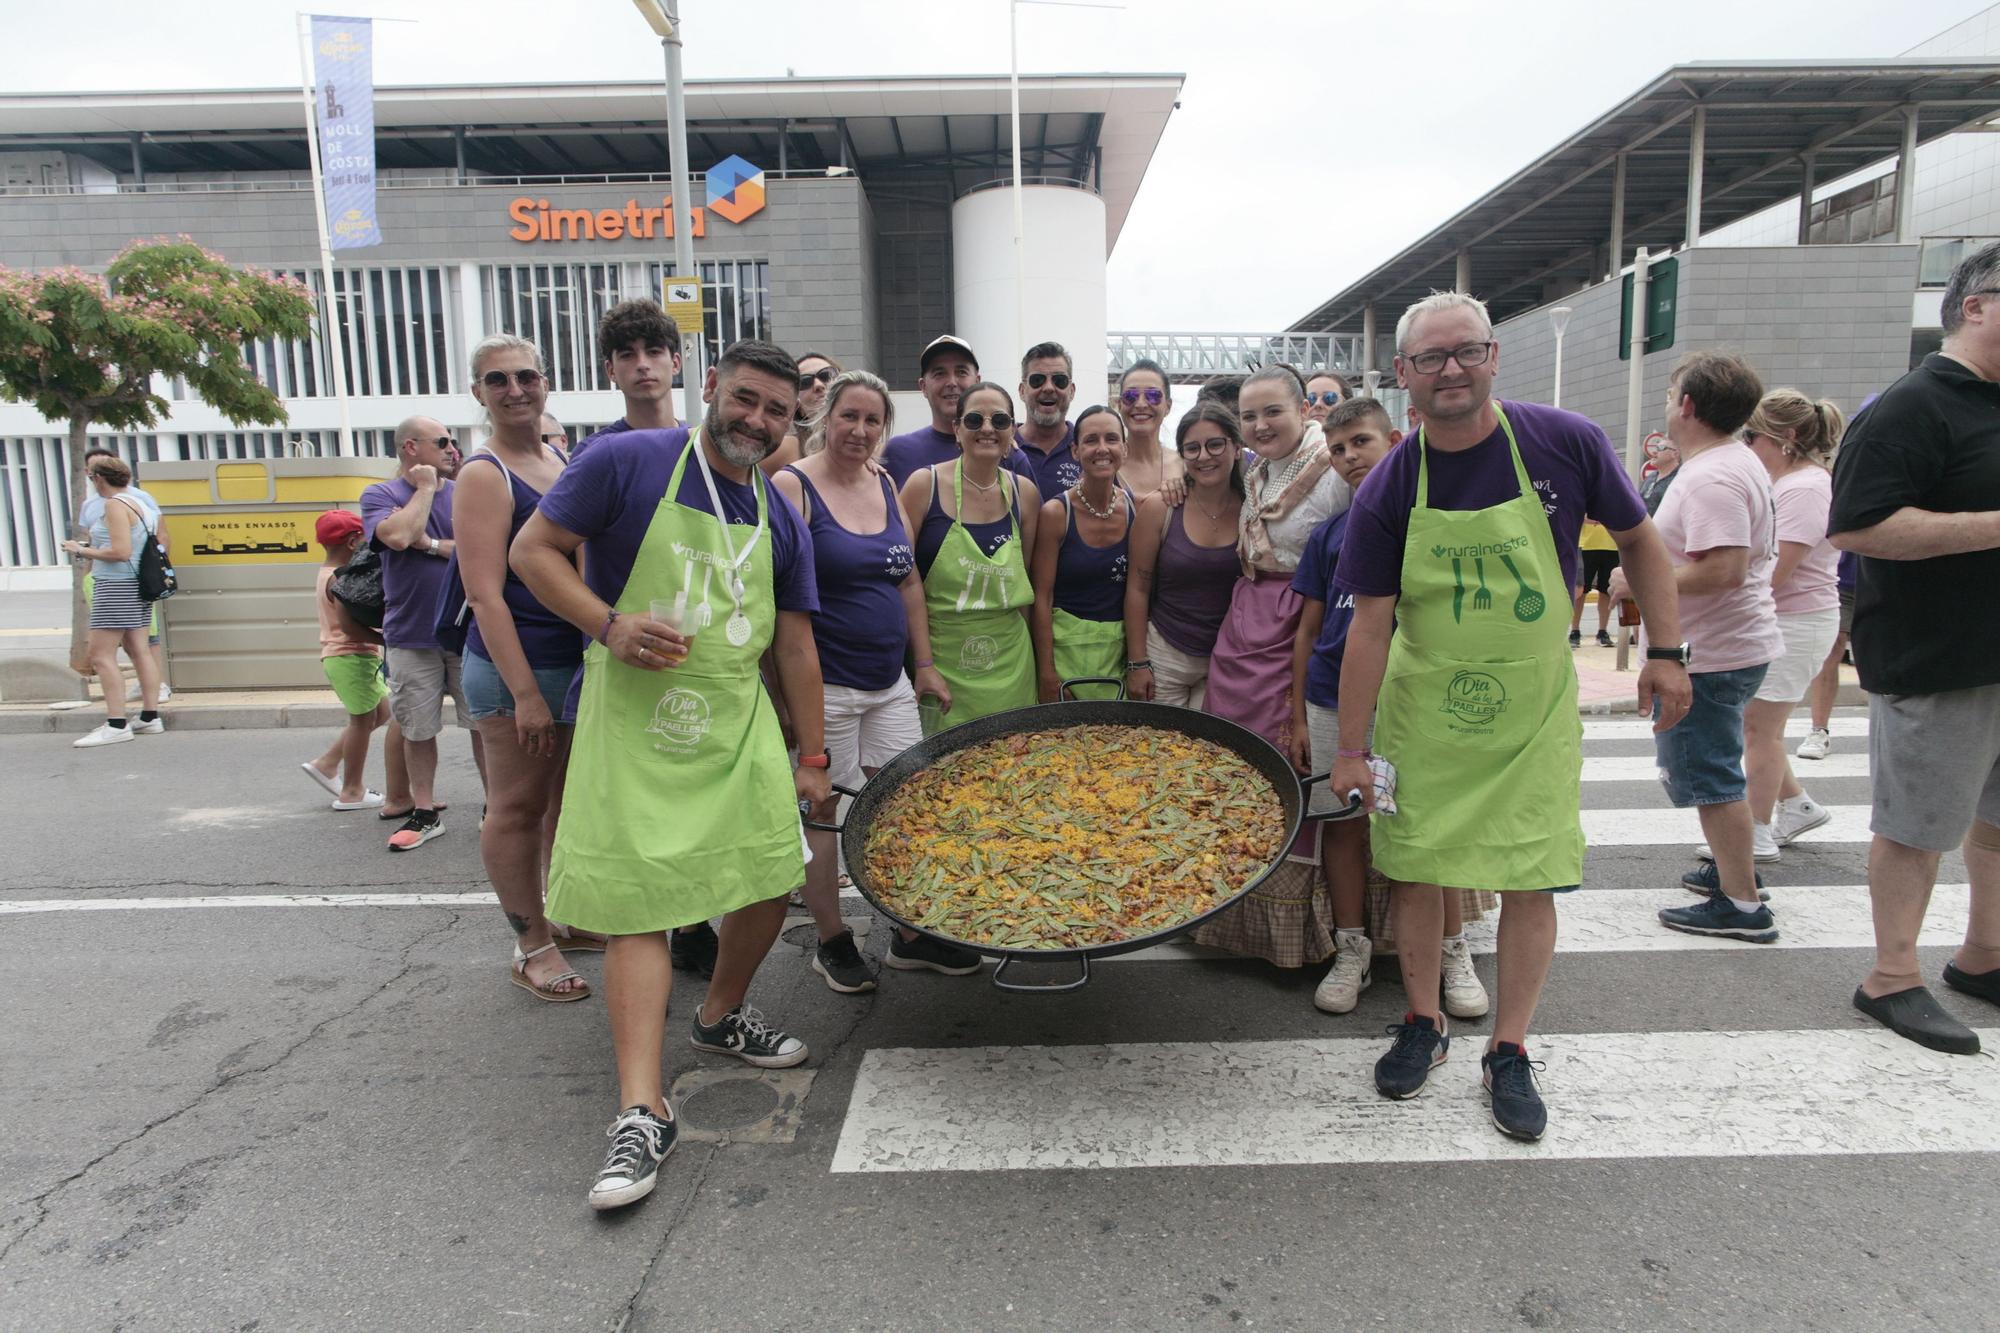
(1644, 768)
(1850, 730)
(1663, 825)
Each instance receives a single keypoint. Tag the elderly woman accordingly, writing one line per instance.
(1291, 488)
(871, 612)
(519, 657)
(118, 614)
(1082, 554)
(974, 522)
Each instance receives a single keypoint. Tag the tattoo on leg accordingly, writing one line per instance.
(518, 922)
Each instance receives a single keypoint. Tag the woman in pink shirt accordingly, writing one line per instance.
(1795, 438)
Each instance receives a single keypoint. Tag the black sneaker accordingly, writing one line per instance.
(1717, 915)
(925, 952)
(1419, 1048)
(1575, 638)
(743, 1033)
(640, 1141)
(418, 829)
(1705, 879)
(694, 950)
(1604, 639)
(840, 963)
(1509, 1076)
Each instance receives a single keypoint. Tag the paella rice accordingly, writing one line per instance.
(1072, 837)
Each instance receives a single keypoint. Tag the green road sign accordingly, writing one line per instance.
(1662, 297)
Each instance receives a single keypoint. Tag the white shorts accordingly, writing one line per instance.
(1809, 638)
(867, 728)
(1178, 678)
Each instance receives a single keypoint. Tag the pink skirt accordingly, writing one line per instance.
(1250, 672)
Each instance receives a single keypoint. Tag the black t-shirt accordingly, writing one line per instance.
(1931, 441)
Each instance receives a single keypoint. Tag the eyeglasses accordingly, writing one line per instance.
(1133, 397)
(1038, 379)
(1196, 448)
(1467, 356)
(980, 420)
(554, 439)
(497, 379)
(824, 375)
(1329, 398)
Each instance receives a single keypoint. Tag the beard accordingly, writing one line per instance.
(745, 452)
(1045, 416)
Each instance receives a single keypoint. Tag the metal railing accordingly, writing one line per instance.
(1189, 357)
(448, 180)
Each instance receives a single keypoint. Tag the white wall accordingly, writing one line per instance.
(1064, 271)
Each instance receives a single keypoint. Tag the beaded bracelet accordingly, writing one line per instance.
(1356, 754)
(604, 635)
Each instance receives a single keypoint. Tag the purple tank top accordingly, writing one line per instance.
(988, 537)
(1191, 588)
(1090, 580)
(860, 627)
(547, 640)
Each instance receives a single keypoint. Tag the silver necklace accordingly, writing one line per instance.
(1108, 512)
(977, 485)
(1212, 516)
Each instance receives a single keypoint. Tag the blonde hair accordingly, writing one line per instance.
(1441, 301)
(1804, 428)
(815, 437)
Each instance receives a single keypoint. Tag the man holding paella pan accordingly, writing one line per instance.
(1454, 546)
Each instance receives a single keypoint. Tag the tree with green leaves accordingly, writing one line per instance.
(84, 348)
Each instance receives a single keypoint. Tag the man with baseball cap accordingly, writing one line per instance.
(945, 371)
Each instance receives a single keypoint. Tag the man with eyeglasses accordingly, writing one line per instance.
(1461, 548)
(1047, 390)
(408, 518)
(553, 433)
(945, 371)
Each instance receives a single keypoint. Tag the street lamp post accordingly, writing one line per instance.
(663, 17)
(1559, 321)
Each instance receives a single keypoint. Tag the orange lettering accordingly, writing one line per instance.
(631, 217)
(579, 223)
(523, 212)
(610, 224)
(651, 217)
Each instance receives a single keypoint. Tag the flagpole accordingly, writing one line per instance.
(330, 305)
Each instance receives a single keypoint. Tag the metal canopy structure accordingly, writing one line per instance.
(1764, 132)
(1100, 129)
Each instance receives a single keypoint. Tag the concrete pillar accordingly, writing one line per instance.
(1906, 179)
(1697, 147)
(784, 147)
(138, 164)
(1808, 182)
(1462, 276)
(1368, 336)
(458, 151)
(1618, 169)
(471, 325)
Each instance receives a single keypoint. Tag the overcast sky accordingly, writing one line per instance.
(1315, 139)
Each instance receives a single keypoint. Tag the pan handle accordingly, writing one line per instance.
(1000, 972)
(805, 812)
(1068, 692)
(1353, 807)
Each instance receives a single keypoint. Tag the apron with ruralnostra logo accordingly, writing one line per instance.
(1478, 704)
(679, 805)
(979, 638)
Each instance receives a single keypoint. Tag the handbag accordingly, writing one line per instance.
(157, 580)
(358, 587)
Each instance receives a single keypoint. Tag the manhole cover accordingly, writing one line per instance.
(731, 1104)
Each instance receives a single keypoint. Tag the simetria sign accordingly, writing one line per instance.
(537, 220)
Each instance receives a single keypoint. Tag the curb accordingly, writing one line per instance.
(186, 717)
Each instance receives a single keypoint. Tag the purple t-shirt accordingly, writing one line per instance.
(1315, 579)
(608, 497)
(1570, 461)
(618, 427)
(1057, 470)
(413, 579)
(906, 454)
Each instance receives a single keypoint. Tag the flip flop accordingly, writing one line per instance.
(327, 784)
(518, 974)
(369, 801)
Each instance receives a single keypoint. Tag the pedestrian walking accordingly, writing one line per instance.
(1600, 556)
(1470, 688)
(695, 568)
(86, 518)
(350, 655)
(1184, 565)
(118, 614)
(871, 615)
(1825, 688)
(1916, 494)
(1082, 555)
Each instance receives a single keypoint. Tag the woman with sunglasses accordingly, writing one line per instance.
(519, 657)
(1082, 553)
(1184, 565)
(974, 522)
(816, 373)
(1325, 390)
(1144, 399)
(1290, 489)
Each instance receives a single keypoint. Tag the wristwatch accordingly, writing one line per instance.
(433, 547)
(1683, 654)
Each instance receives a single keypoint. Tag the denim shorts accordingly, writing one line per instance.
(1701, 757)
(486, 695)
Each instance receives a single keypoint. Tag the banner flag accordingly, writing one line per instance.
(343, 69)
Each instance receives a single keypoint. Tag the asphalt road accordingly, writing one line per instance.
(310, 1116)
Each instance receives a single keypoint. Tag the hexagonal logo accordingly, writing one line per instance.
(735, 189)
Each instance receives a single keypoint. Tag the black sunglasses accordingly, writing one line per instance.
(497, 379)
(979, 420)
(822, 376)
(1038, 379)
(441, 442)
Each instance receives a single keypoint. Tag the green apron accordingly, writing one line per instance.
(679, 804)
(1478, 704)
(1089, 648)
(979, 638)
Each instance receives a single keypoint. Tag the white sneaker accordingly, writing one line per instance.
(1763, 845)
(1464, 996)
(1817, 744)
(1801, 814)
(131, 691)
(105, 734)
(139, 726)
(166, 691)
(1340, 990)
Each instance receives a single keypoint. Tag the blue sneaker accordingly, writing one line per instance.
(1706, 879)
(1717, 915)
(1509, 1076)
(1419, 1048)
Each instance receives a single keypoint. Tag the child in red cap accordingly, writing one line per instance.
(351, 655)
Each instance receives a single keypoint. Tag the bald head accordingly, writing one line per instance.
(424, 440)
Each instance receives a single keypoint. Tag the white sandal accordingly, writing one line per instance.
(583, 941)
(518, 974)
